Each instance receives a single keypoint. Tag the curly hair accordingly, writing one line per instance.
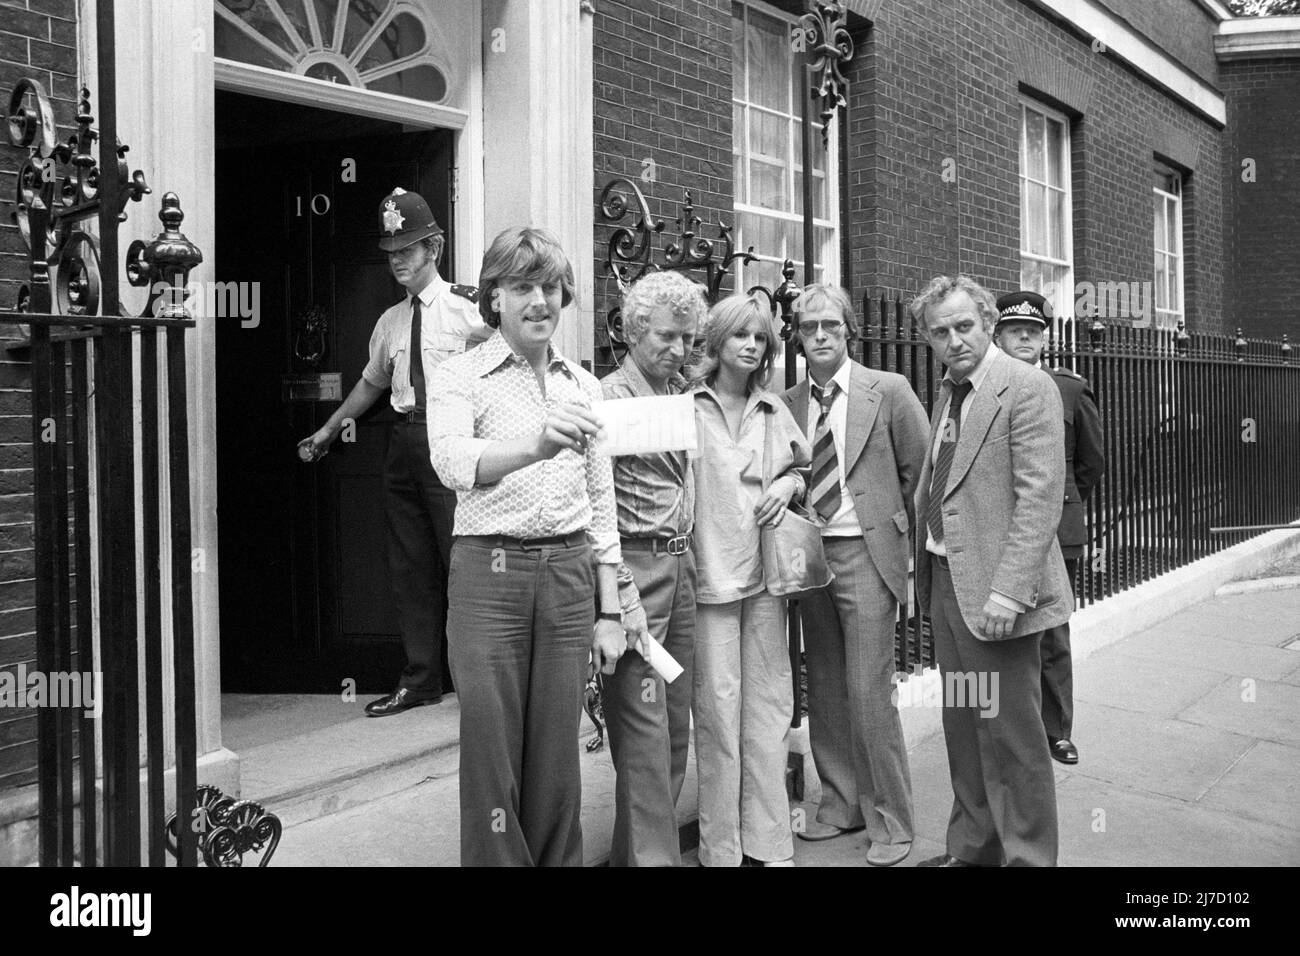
(941, 287)
(522, 252)
(726, 318)
(680, 295)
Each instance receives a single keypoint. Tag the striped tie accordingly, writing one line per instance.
(947, 448)
(825, 463)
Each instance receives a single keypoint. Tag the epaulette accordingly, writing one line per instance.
(466, 292)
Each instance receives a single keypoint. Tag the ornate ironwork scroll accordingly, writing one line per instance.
(630, 253)
(227, 829)
(826, 39)
(49, 204)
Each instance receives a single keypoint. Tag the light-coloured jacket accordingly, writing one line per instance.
(728, 483)
(1003, 501)
(884, 448)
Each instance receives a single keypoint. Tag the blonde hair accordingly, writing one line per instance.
(725, 319)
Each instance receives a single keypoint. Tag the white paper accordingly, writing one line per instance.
(642, 426)
(665, 664)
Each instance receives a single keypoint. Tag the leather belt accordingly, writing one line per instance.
(676, 546)
(571, 540)
(416, 417)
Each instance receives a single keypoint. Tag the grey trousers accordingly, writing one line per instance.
(649, 722)
(854, 728)
(1004, 790)
(519, 631)
(1058, 674)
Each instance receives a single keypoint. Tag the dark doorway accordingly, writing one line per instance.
(305, 601)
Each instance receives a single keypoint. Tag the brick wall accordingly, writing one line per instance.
(941, 83)
(1263, 216)
(662, 74)
(38, 40)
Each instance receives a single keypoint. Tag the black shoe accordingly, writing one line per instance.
(403, 699)
(945, 860)
(1062, 750)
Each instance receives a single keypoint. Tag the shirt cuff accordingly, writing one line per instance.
(1008, 602)
(458, 468)
(604, 546)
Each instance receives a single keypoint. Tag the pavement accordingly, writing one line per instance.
(1187, 731)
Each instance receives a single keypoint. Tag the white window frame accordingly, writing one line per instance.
(1063, 301)
(1167, 318)
(831, 268)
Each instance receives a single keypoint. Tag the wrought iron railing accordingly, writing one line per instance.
(1201, 434)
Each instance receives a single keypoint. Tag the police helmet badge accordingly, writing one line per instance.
(392, 218)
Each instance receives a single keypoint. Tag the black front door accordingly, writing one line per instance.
(305, 601)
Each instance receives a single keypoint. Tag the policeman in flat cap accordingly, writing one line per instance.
(1022, 319)
(432, 322)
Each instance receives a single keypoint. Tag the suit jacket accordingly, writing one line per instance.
(1085, 457)
(883, 451)
(1003, 501)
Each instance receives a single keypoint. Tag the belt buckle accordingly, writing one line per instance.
(678, 545)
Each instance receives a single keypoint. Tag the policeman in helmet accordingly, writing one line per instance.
(432, 322)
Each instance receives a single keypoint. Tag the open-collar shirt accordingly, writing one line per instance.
(491, 394)
(449, 323)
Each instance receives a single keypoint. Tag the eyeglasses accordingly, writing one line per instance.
(829, 326)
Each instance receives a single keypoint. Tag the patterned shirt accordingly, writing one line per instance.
(449, 322)
(491, 394)
(655, 493)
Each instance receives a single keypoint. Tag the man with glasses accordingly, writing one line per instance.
(869, 437)
(434, 320)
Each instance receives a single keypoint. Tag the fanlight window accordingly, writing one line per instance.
(382, 45)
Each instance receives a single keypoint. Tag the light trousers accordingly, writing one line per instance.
(742, 705)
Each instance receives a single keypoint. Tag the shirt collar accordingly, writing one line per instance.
(840, 378)
(759, 396)
(642, 388)
(495, 352)
(429, 294)
(976, 378)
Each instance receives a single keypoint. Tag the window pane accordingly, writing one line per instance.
(1028, 274)
(737, 54)
(767, 185)
(819, 195)
(1175, 300)
(1037, 218)
(1055, 146)
(1161, 283)
(1171, 226)
(1034, 166)
(768, 136)
(1158, 227)
(768, 59)
(262, 20)
(765, 272)
(417, 82)
(1059, 293)
(1056, 224)
(403, 36)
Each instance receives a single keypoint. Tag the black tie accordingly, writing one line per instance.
(415, 355)
(947, 448)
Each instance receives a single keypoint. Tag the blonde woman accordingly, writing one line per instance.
(743, 700)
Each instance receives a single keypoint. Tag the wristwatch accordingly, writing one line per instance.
(606, 616)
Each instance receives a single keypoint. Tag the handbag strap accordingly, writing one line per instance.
(767, 449)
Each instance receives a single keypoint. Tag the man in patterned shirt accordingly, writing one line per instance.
(536, 542)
